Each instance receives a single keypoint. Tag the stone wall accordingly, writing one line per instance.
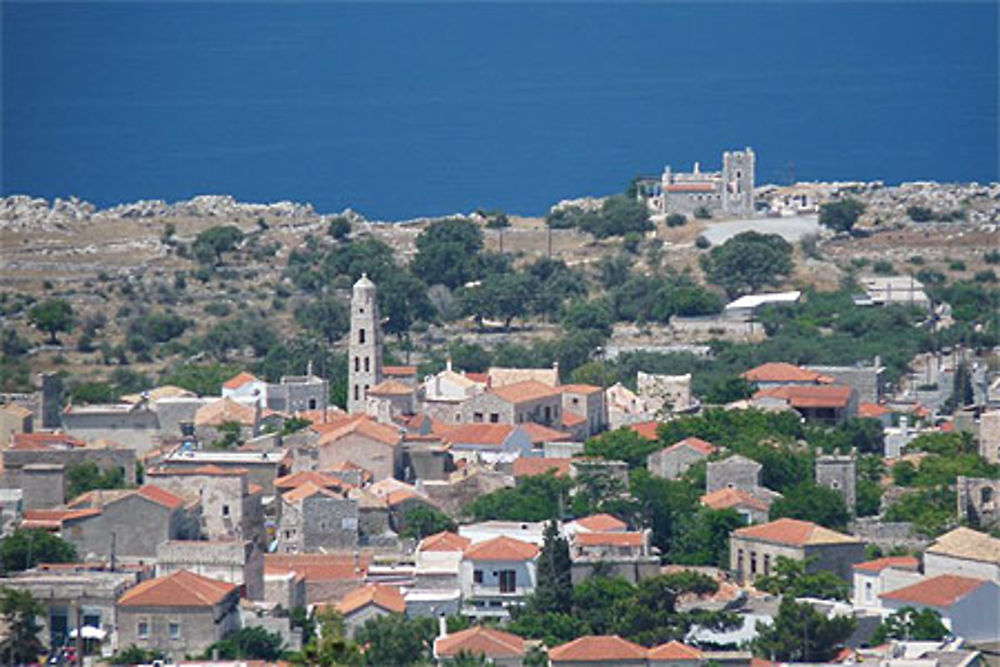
(738, 473)
(15, 460)
(886, 534)
(866, 380)
(43, 485)
(978, 501)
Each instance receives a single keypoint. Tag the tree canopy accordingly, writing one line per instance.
(841, 215)
(52, 316)
(749, 261)
(20, 611)
(802, 634)
(23, 549)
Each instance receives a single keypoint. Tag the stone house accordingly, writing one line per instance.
(728, 192)
(374, 520)
(529, 401)
(750, 507)
(261, 467)
(369, 602)
(63, 588)
(673, 461)
(598, 651)
(231, 506)
(676, 654)
(499, 648)
(364, 442)
(212, 417)
(586, 401)
(135, 426)
(284, 587)
(14, 419)
(738, 472)
(235, 562)
(452, 386)
(969, 607)
(865, 380)
(389, 399)
(874, 577)
(180, 614)
(616, 554)
(978, 500)
(497, 376)
(780, 374)
(753, 551)
(438, 559)
(966, 552)
(297, 393)
(497, 574)
(989, 436)
(839, 473)
(595, 523)
(128, 524)
(405, 374)
(325, 576)
(314, 518)
(625, 407)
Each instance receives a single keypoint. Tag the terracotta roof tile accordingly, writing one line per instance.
(210, 470)
(41, 441)
(601, 523)
(969, 544)
(501, 548)
(16, 410)
(320, 567)
(224, 410)
(239, 380)
(316, 477)
(608, 539)
(387, 597)
(307, 490)
(179, 589)
(779, 371)
(54, 518)
(579, 389)
(795, 532)
(674, 650)
(571, 419)
(808, 396)
(941, 591)
(898, 562)
(366, 426)
(731, 497)
(701, 446)
(691, 187)
(491, 643)
(522, 392)
(391, 388)
(872, 410)
(541, 434)
(479, 378)
(478, 434)
(444, 541)
(646, 429)
(597, 648)
(528, 466)
(399, 371)
(160, 496)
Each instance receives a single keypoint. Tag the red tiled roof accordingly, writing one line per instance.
(307, 490)
(525, 466)
(239, 380)
(501, 548)
(601, 522)
(793, 531)
(571, 419)
(54, 518)
(366, 426)
(697, 444)
(319, 567)
(224, 410)
(386, 597)
(540, 434)
(478, 434)
(399, 371)
(778, 371)
(807, 396)
(318, 478)
(522, 392)
(608, 539)
(941, 591)
(160, 496)
(732, 497)
(210, 470)
(179, 589)
(391, 388)
(879, 564)
(597, 648)
(647, 430)
(481, 378)
(674, 650)
(477, 640)
(444, 541)
(872, 410)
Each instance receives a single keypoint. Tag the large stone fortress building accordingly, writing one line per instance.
(722, 193)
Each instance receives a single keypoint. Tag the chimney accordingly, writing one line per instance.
(442, 626)
(447, 363)
(309, 369)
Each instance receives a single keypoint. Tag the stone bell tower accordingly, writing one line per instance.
(365, 348)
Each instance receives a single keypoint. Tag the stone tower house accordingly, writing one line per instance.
(738, 181)
(365, 349)
(840, 474)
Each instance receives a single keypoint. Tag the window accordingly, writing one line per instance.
(142, 629)
(357, 392)
(92, 619)
(576, 401)
(868, 591)
(312, 403)
(477, 417)
(985, 495)
(174, 629)
(367, 364)
(508, 581)
(548, 413)
(767, 564)
(225, 510)
(357, 363)
(477, 576)
(753, 562)
(361, 336)
(494, 418)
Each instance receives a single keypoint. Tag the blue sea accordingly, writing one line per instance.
(410, 109)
